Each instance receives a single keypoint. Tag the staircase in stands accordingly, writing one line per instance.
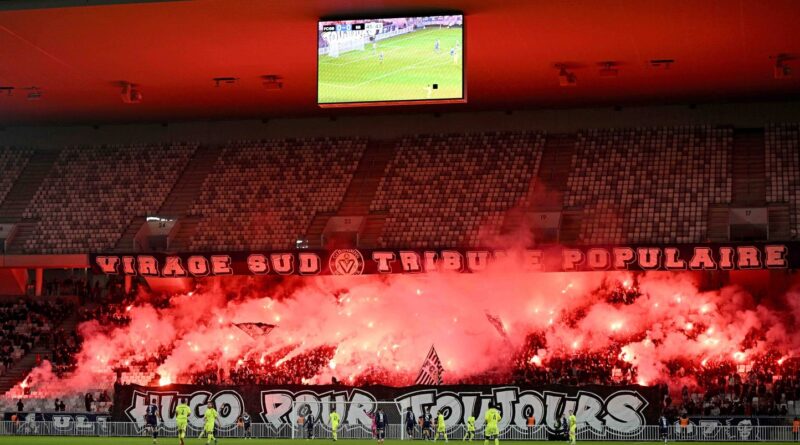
(22, 193)
(125, 242)
(359, 195)
(22, 367)
(547, 188)
(550, 182)
(748, 189)
(718, 224)
(748, 169)
(780, 225)
(179, 201)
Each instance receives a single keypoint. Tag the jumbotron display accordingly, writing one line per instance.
(390, 60)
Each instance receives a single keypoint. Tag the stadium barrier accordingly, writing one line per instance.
(604, 412)
(705, 433)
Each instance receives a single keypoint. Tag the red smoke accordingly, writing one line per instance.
(372, 328)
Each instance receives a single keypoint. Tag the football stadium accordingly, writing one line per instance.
(467, 220)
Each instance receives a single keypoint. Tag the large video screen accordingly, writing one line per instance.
(390, 60)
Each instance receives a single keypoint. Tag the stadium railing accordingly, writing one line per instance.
(715, 432)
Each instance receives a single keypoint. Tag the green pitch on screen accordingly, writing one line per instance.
(410, 65)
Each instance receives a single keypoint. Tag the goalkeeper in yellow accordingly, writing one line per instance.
(573, 427)
(210, 418)
(441, 428)
(470, 429)
(334, 418)
(182, 413)
(491, 431)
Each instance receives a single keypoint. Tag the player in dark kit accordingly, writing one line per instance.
(663, 427)
(309, 423)
(410, 421)
(427, 424)
(151, 416)
(247, 423)
(380, 423)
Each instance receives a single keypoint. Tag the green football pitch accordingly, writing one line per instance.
(37, 440)
(410, 64)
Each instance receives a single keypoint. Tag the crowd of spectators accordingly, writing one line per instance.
(281, 368)
(113, 303)
(67, 286)
(140, 369)
(26, 324)
(89, 291)
(111, 314)
(768, 384)
(579, 368)
(63, 350)
(764, 387)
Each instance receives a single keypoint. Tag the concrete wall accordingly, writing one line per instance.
(393, 125)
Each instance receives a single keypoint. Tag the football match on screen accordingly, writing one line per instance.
(384, 60)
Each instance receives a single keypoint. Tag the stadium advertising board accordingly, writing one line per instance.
(620, 409)
(63, 421)
(396, 261)
(698, 428)
(390, 60)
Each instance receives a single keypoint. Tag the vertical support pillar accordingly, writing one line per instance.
(39, 281)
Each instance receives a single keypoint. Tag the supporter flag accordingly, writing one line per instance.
(431, 371)
(498, 325)
(255, 330)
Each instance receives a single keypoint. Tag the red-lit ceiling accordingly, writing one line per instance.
(76, 55)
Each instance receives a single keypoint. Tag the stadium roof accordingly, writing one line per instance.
(78, 55)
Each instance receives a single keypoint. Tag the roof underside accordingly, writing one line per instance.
(78, 55)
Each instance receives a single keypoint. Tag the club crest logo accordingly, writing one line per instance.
(346, 262)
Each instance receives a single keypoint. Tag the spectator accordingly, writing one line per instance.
(88, 400)
(20, 406)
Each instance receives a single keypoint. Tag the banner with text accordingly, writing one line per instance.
(620, 409)
(395, 261)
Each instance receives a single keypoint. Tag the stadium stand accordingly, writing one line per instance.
(264, 194)
(454, 189)
(27, 324)
(649, 184)
(93, 193)
(12, 162)
(782, 145)
(764, 388)
(625, 176)
(268, 370)
(651, 170)
(769, 385)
